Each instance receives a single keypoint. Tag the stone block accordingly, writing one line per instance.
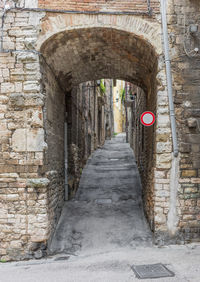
(189, 173)
(194, 112)
(163, 120)
(195, 148)
(163, 134)
(5, 72)
(10, 175)
(162, 193)
(12, 197)
(27, 57)
(32, 66)
(31, 86)
(160, 174)
(163, 158)
(7, 87)
(31, 3)
(33, 100)
(163, 110)
(160, 218)
(18, 87)
(16, 244)
(38, 182)
(28, 140)
(36, 118)
(185, 147)
(192, 122)
(17, 100)
(30, 43)
(163, 147)
(193, 138)
(191, 190)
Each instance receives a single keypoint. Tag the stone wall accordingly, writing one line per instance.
(54, 117)
(23, 193)
(31, 187)
(142, 140)
(186, 71)
(175, 201)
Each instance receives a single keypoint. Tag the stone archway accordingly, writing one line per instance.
(142, 27)
(81, 48)
(40, 108)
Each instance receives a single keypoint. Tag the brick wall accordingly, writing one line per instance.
(101, 5)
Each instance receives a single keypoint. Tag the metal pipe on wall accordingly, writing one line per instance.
(169, 76)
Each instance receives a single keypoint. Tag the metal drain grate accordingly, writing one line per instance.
(151, 271)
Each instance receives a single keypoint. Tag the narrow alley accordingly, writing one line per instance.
(106, 212)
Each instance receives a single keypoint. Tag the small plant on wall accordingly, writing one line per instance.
(102, 88)
(122, 95)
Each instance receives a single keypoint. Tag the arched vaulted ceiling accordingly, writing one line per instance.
(81, 55)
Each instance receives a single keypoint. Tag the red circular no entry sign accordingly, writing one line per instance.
(147, 118)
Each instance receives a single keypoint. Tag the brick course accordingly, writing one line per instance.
(101, 5)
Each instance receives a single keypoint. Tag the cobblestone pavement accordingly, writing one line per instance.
(107, 211)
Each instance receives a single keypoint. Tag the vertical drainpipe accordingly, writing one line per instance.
(126, 111)
(66, 159)
(169, 77)
(111, 109)
(172, 218)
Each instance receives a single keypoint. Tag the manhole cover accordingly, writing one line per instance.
(151, 271)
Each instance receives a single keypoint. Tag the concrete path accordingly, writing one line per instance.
(113, 266)
(107, 212)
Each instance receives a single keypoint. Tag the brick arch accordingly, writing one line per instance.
(92, 53)
(137, 25)
(139, 33)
